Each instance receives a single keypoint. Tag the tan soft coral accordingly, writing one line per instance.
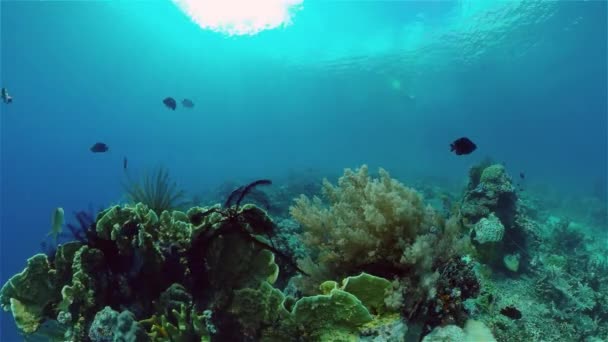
(365, 221)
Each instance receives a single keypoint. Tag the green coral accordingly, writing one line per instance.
(204, 219)
(119, 222)
(332, 317)
(70, 295)
(184, 325)
(495, 179)
(135, 230)
(237, 264)
(260, 307)
(28, 293)
(85, 291)
(175, 227)
(336, 315)
(371, 290)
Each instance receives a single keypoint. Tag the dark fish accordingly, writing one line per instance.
(124, 163)
(187, 103)
(522, 175)
(170, 103)
(99, 148)
(462, 146)
(511, 312)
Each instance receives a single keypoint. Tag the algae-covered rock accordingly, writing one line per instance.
(495, 179)
(493, 193)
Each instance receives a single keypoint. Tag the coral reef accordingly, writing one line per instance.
(375, 262)
(380, 226)
(138, 262)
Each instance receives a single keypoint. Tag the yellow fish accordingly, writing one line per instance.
(56, 224)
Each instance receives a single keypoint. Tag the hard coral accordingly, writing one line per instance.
(338, 314)
(134, 260)
(492, 193)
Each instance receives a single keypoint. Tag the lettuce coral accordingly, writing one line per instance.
(171, 271)
(338, 314)
(30, 294)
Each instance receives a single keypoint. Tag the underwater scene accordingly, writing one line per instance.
(303, 170)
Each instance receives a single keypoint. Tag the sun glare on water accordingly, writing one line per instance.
(240, 17)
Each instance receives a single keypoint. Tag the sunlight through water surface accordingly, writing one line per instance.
(240, 17)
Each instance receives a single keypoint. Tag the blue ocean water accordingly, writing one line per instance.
(388, 84)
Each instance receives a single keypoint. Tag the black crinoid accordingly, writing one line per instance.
(81, 229)
(248, 222)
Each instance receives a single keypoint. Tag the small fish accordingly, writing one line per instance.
(99, 147)
(56, 224)
(462, 146)
(170, 103)
(124, 163)
(6, 98)
(511, 312)
(187, 103)
(522, 175)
